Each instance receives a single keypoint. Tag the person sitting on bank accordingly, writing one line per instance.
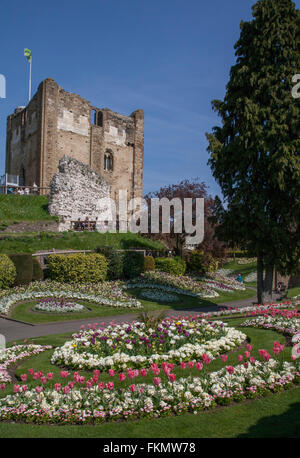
(239, 278)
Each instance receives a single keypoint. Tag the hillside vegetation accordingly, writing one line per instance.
(16, 209)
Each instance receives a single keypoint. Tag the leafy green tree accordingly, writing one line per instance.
(255, 153)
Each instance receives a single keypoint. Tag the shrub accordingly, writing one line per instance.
(37, 271)
(133, 264)
(77, 267)
(24, 267)
(115, 262)
(200, 263)
(175, 266)
(8, 272)
(196, 262)
(149, 263)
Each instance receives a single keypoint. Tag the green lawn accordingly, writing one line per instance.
(293, 292)
(15, 209)
(243, 269)
(73, 240)
(23, 312)
(273, 416)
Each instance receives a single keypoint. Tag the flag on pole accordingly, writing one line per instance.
(27, 54)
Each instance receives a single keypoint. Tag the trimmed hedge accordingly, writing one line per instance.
(77, 268)
(115, 262)
(8, 272)
(149, 263)
(174, 266)
(37, 271)
(24, 267)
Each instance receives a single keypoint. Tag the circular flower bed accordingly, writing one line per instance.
(136, 345)
(158, 296)
(59, 306)
(110, 294)
(11, 355)
(72, 402)
(285, 321)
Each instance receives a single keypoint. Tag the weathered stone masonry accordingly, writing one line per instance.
(57, 123)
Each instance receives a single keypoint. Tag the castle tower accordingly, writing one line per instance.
(57, 123)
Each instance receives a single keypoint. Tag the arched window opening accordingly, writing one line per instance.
(93, 117)
(108, 161)
(99, 119)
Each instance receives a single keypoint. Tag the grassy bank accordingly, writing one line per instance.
(16, 209)
(74, 240)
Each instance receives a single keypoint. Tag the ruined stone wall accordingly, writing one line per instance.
(77, 192)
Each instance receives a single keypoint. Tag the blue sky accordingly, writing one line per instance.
(168, 57)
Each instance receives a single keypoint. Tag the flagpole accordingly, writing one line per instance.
(29, 97)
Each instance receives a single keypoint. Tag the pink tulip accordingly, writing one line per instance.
(122, 377)
(246, 365)
(44, 380)
(66, 389)
(156, 381)
(240, 358)
(64, 374)
(249, 347)
(172, 377)
(156, 371)
(71, 385)
(230, 369)
(110, 385)
(57, 386)
(31, 371)
(23, 377)
(50, 375)
(183, 366)
(16, 388)
(111, 373)
(224, 358)
(36, 376)
(39, 389)
(96, 373)
(143, 372)
(101, 386)
(2, 386)
(247, 354)
(133, 388)
(252, 360)
(24, 388)
(190, 364)
(199, 366)
(89, 384)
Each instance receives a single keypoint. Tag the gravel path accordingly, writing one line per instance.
(16, 330)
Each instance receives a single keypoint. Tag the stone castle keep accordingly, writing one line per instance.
(56, 123)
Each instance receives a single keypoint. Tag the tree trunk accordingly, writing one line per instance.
(268, 283)
(260, 278)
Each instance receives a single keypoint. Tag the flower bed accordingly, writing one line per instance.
(92, 401)
(229, 281)
(134, 345)
(285, 321)
(252, 277)
(180, 285)
(59, 306)
(158, 296)
(248, 311)
(11, 355)
(110, 294)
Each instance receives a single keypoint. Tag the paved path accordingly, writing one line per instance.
(16, 330)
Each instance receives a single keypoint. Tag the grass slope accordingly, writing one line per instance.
(15, 209)
(74, 240)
